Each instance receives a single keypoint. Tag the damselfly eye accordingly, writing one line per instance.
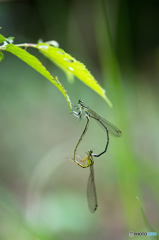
(80, 101)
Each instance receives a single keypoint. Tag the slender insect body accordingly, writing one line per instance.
(88, 160)
(91, 114)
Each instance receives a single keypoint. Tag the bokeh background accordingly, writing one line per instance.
(42, 193)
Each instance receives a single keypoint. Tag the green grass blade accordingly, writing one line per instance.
(145, 219)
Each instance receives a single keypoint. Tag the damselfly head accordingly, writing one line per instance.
(80, 101)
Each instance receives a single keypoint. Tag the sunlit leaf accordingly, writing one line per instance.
(53, 43)
(70, 64)
(1, 56)
(2, 38)
(37, 65)
(10, 40)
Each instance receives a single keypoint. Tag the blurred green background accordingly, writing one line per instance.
(42, 193)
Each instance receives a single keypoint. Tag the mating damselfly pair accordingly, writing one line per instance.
(88, 160)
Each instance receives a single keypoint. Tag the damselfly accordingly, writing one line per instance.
(91, 189)
(109, 127)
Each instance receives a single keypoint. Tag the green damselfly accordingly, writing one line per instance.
(109, 127)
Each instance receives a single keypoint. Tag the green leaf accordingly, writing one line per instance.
(10, 40)
(37, 65)
(2, 38)
(71, 65)
(1, 56)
